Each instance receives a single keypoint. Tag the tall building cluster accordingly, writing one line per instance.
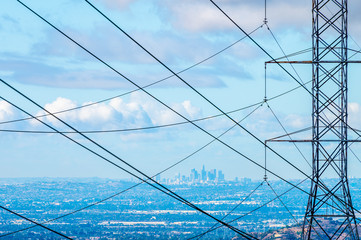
(203, 176)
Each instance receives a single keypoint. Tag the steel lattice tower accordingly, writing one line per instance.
(329, 214)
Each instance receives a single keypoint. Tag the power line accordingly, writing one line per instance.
(146, 86)
(157, 185)
(259, 46)
(284, 129)
(116, 71)
(200, 94)
(32, 221)
(106, 65)
(171, 108)
(133, 129)
(279, 198)
(252, 211)
(123, 191)
(143, 128)
(231, 211)
(152, 96)
(274, 60)
(191, 87)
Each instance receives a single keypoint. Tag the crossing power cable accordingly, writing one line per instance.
(95, 56)
(289, 136)
(132, 129)
(279, 198)
(273, 59)
(279, 45)
(266, 101)
(168, 106)
(203, 96)
(155, 184)
(283, 52)
(252, 211)
(146, 86)
(142, 128)
(152, 96)
(191, 87)
(123, 191)
(288, 73)
(45, 123)
(160, 187)
(232, 210)
(32, 221)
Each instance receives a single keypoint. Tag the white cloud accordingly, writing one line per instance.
(354, 114)
(128, 110)
(138, 111)
(297, 121)
(60, 104)
(197, 16)
(161, 115)
(5, 110)
(95, 114)
(191, 110)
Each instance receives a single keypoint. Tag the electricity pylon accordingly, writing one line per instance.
(329, 214)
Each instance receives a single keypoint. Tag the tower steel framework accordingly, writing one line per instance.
(329, 214)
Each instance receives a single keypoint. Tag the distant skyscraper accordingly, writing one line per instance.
(220, 176)
(204, 174)
(194, 175)
(212, 175)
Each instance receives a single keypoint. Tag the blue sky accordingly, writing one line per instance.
(59, 75)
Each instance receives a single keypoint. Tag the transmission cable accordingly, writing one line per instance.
(152, 96)
(259, 46)
(147, 127)
(106, 64)
(32, 221)
(123, 191)
(132, 129)
(191, 87)
(196, 91)
(252, 211)
(232, 210)
(284, 129)
(279, 198)
(284, 54)
(78, 143)
(146, 86)
(98, 59)
(167, 105)
(157, 185)
(19, 1)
